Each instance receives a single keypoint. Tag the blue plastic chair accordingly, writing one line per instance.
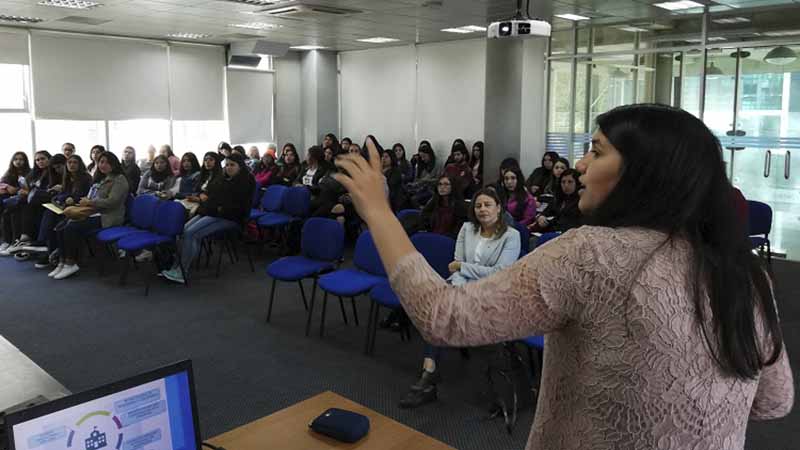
(349, 282)
(546, 237)
(296, 206)
(535, 346)
(524, 238)
(141, 214)
(759, 226)
(438, 250)
(169, 222)
(271, 202)
(407, 212)
(321, 248)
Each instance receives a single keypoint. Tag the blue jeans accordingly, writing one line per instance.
(197, 229)
(432, 352)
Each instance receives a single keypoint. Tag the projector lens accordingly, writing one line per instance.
(505, 29)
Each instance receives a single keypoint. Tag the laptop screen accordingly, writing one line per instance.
(152, 411)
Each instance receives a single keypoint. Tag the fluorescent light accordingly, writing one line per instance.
(679, 5)
(465, 29)
(71, 4)
(716, 39)
(633, 29)
(574, 17)
(308, 47)
(781, 33)
(188, 35)
(256, 25)
(378, 40)
(729, 20)
(19, 19)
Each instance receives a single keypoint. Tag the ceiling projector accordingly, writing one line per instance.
(519, 26)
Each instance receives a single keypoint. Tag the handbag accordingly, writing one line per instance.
(342, 425)
(78, 213)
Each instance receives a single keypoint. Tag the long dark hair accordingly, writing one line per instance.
(669, 154)
(452, 199)
(193, 160)
(472, 161)
(425, 147)
(70, 179)
(37, 173)
(100, 150)
(157, 176)
(116, 167)
(337, 147)
(502, 226)
(12, 174)
(520, 194)
(206, 174)
(459, 147)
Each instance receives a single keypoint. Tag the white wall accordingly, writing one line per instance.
(410, 93)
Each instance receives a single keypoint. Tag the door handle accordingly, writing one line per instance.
(767, 163)
(787, 165)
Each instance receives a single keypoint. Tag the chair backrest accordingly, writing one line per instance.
(546, 237)
(297, 202)
(759, 218)
(524, 238)
(129, 207)
(406, 212)
(438, 250)
(366, 256)
(258, 194)
(322, 239)
(273, 198)
(143, 211)
(170, 218)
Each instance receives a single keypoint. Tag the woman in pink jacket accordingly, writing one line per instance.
(661, 328)
(174, 161)
(519, 202)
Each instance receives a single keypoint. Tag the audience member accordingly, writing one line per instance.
(32, 193)
(253, 158)
(476, 162)
(144, 164)
(329, 155)
(446, 212)
(189, 174)
(406, 170)
(542, 175)
(394, 179)
(426, 172)
(94, 155)
(345, 144)
(103, 207)
(563, 214)
(315, 168)
(266, 170)
(210, 172)
(68, 149)
(238, 149)
(159, 180)
(519, 202)
(131, 168)
(224, 149)
(289, 166)
(225, 208)
(330, 141)
(174, 162)
(459, 167)
(505, 165)
(485, 245)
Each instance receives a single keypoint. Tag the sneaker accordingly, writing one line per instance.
(4, 246)
(22, 256)
(416, 399)
(7, 250)
(42, 263)
(66, 271)
(33, 248)
(174, 275)
(54, 257)
(122, 254)
(144, 256)
(55, 271)
(18, 247)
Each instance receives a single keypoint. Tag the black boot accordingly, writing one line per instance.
(418, 398)
(426, 380)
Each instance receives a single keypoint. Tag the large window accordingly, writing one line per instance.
(13, 87)
(16, 136)
(51, 134)
(139, 134)
(198, 136)
(15, 121)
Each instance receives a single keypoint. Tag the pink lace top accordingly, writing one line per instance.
(625, 363)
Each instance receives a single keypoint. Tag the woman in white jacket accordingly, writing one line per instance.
(485, 245)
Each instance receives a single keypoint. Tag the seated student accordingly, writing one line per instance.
(315, 169)
(426, 172)
(107, 198)
(75, 185)
(190, 172)
(345, 144)
(224, 150)
(485, 245)
(519, 203)
(446, 212)
(402, 163)
(226, 207)
(131, 168)
(238, 149)
(541, 176)
(18, 216)
(505, 165)
(253, 158)
(332, 142)
(33, 212)
(394, 179)
(68, 149)
(329, 154)
(211, 172)
(158, 180)
(11, 182)
(459, 168)
(289, 166)
(266, 170)
(144, 164)
(554, 184)
(476, 162)
(94, 155)
(563, 214)
(174, 162)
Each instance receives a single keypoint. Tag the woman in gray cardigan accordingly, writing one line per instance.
(107, 196)
(485, 245)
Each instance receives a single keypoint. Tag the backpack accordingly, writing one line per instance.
(510, 385)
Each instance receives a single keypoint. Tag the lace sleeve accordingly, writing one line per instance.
(775, 394)
(534, 296)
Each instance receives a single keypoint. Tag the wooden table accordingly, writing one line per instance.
(288, 430)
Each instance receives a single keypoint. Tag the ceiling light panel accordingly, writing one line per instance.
(19, 19)
(378, 40)
(679, 5)
(730, 20)
(71, 4)
(308, 47)
(465, 29)
(574, 17)
(256, 25)
(188, 35)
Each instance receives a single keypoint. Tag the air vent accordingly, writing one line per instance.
(83, 20)
(244, 60)
(305, 11)
(19, 19)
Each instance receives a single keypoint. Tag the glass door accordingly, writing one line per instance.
(762, 146)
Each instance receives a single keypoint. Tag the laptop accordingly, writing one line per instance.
(152, 411)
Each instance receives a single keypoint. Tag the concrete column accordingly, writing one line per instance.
(319, 97)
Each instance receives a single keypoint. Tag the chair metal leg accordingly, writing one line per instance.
(231, 252)
(183, 270)
(341, 306)
(374, 333)
(123, 276)
(355, 312)
(219, 260)
(147, 278)
(311, 308)
(324, 307)
(303, 294)
(369, 326)
(271, 299)
(249, 258)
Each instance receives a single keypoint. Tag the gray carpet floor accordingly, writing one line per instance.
(88, 331)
